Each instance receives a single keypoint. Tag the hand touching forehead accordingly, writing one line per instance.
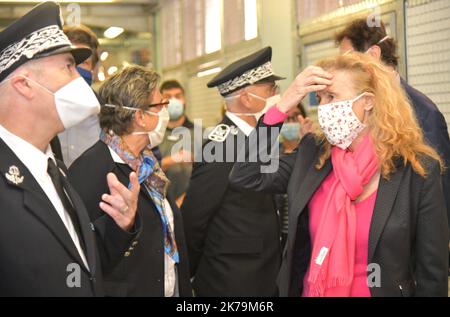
(342, 88)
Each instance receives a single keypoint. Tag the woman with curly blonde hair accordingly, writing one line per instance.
(367, 212)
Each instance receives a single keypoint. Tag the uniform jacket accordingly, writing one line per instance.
(232, 234)
(37, 255)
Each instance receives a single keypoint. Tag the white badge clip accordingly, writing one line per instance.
(220, 133)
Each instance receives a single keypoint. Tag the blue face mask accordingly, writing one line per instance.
(176, 109)
(87, 75)
(291, 131)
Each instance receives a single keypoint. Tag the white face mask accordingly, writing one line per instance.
(74, 102)
(339, 123)
(156, 137)
(270, 102)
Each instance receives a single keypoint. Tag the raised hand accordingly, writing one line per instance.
(312, 79)
(121, 203)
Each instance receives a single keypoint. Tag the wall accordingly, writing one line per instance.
(317, 34)
(428, 43)
(276, 27)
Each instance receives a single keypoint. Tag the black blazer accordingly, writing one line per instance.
(408, 234)
(435, 129)
(140, 271)
(233, 235)
(36, 251)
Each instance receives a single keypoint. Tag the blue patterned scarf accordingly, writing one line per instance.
(152, 178)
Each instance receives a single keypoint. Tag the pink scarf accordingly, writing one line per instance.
(333, 255)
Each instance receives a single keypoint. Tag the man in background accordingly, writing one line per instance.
(178, 167)
(78, 139)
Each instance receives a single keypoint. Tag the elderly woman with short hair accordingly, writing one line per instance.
(133, 121)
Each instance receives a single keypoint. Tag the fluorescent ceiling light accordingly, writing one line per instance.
(112, 70)
(59, 1)
(209, 72)
(104, 56)
(113, 32)
(101, 76)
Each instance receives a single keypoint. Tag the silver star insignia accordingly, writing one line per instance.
(14, 175)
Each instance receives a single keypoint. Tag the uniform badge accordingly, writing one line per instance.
(14, 175)
(220, 133)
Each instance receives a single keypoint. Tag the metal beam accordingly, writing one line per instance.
(133, 17)
(131, 2)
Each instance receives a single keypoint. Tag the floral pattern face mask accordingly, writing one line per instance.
(339, 122)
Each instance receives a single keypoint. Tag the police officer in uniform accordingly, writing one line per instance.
(47, 243)
(232, 235)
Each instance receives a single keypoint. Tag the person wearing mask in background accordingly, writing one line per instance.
(134, 119)
(296, 125)
(294, 128)
(233, 235)
(374, 41)
(367, 210)
(47, 242)
(178, 167)
(81, 137)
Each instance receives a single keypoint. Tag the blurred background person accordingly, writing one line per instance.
(178, 168)
(78, 139)
(369, 209)
(291, 133)
(134, 119)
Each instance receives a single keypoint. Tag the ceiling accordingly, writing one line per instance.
(94, 13)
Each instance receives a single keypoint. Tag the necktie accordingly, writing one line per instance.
(56, 177)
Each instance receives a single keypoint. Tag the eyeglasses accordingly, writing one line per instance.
(153, 105)
(274, 88)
